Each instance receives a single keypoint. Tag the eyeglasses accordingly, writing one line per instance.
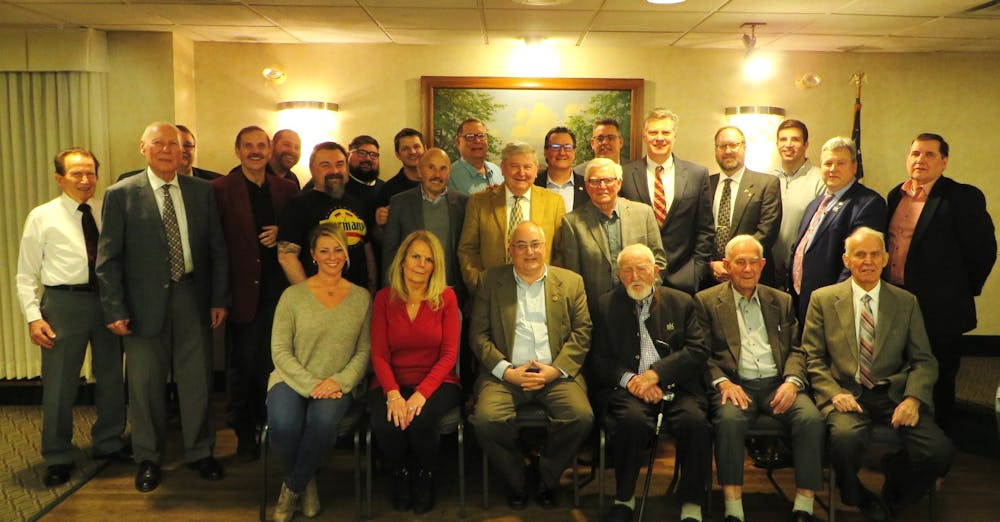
(522, 246)
(365, 153)
(730, 146)
(605, 137)
(597, 182)
(556, 147)
(479, 136)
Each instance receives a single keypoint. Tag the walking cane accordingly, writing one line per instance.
(667, 397)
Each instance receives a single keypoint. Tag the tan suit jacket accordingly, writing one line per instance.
(491, 331)
(483, 244)
(902, 351)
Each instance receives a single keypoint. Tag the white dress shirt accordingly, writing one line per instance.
(667, 176)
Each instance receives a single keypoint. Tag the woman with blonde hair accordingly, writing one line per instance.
(415, 336)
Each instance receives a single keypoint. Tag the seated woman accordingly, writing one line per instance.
(415, 334)
(320, 346)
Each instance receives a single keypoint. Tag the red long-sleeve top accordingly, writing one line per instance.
(420, 353)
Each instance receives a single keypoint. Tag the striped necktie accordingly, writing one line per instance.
(866, 343)
(659, 196)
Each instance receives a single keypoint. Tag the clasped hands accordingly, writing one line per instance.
(532, 375)
(327, 389)
(907, 413)
(401, 412)
(646, 387)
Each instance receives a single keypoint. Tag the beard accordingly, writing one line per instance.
(364, 174)
(638, 294)
(333, 187)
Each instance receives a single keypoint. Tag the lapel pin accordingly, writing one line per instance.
(670, 327)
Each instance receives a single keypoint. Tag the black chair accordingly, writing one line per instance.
(350, 425)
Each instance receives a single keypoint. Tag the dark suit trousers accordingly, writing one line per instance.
(802, 420)
(570, 419)
(947, 351)
(631, 424)
(184, 346)
(419, 441)
(251, 366)
(928, 452)
(76, 318)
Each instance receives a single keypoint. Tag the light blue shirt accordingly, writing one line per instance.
(467, 180)
(566, 190)
(647, 352)
(531, 330)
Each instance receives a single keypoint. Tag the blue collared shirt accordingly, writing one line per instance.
(531, 330)
(467, 180)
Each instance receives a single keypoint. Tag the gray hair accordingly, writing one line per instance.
(743, 238)
(603, 163)
(862, 233)
(636, 249)
(841, 142)
(515, 148)
(660, 113)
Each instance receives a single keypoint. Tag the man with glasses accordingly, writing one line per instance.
(558, 176)
(606, 142)
(188, 156)
(746, 202)
(472, 173)
(363, 164)
(592, 236)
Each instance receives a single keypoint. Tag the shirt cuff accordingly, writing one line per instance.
(626, 377)
(715, 383)
(499, 369)
(796, 381)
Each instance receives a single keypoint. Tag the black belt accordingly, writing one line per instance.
(72, 288)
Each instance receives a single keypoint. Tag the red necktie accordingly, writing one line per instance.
(659, 197)
(800, 250)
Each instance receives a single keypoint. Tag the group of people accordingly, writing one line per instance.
(605, 293)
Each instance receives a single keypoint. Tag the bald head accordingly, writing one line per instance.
(434, 169)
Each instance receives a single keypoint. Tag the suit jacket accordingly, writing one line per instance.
(206, 175)
(582, 246)
(132, 257)
(580, 195)
(822, 263)
(951, 254)
(483, 243)
(673, 324)
(756, 211)
(688, 234)
(723, 331)
(491, 332)
(240, 231)
(902, 351)
(406, 215)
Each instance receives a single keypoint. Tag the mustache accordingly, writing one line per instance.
(256, 156)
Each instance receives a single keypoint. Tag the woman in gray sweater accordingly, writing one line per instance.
(320, 345)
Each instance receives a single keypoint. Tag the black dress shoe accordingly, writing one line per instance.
(122, 454)
(57, 474)
(546, 496)
(208, 468)
(148, 477)
(618, 513)
(873, 508)
(402, 489)
(802, 516)
(423, 492)
(732, 518)
(517, 500)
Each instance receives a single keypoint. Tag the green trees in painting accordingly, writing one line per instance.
(453, 106)
(607, 104)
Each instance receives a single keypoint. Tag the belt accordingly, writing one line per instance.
(72, 288)
(185, 277)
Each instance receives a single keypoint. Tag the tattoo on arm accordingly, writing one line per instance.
(285, 247)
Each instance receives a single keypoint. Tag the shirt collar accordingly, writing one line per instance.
(365, 183)
(801, 171)
(755, 298)
(857, 291)
(428, 198)
(552, 184)
(509, 196)
(667, 165)
(840, 193)
(522, 283)
(157, 182)
(735, 177)
(71, 204)
(911, 188)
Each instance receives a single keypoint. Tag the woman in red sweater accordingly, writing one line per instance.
(415, 336)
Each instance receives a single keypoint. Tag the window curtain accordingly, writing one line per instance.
(41, 113)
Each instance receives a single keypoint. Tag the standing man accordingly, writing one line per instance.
(558, 176)
(650, 347)
(869, 361)
(845, 206)
(942, 248)
(285, 153)
(58, 292)
(409, 146)
(188, 157)
(681, 197)
(363, 164)
(161, 266)
(801, 182)
(606, 142)
(250, 201)
(746, 202)
(530, 331)
(472, 173)
(757, 368)
(591, 237)
(492, 214)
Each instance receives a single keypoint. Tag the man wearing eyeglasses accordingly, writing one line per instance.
(592, 236)
(472, 173)
(363, 164)
(606, 142)
(746, 202)
(558, 176)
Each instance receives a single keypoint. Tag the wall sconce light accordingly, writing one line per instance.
(314, 121)
(759, 124)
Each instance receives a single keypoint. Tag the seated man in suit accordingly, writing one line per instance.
(649, 340)
(530, 332)
(869, 360)
(757, 368)
(558, 175)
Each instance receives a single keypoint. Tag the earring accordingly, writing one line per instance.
(315, 263)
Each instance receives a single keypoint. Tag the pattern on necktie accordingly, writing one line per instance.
(722, 228)
(800, 250)
(515, 219)
(866, 342)
(175, 249)
(659, 197)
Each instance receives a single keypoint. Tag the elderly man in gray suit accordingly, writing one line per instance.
(162, 271)
(592, 236)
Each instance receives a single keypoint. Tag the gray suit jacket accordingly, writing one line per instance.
(406, 215)
(723, 330)
(582, 246)
(132, 258)
(902, 351)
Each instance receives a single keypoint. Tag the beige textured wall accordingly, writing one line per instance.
(378, 89)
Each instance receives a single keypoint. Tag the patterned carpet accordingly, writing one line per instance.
(22, 494)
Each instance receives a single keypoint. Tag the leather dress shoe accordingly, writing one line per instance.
(618, 513)
(546, 496)
(149, 476)
(802, 516)
(689, 519)
(873, 508)
(208, 468)
(517, 500)
(732, 518)
(122, 454)
(57, 474)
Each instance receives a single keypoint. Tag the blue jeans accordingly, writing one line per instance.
(302, 430)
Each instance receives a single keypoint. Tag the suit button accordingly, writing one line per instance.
(256, 282)
(166, 285)
(637, 357)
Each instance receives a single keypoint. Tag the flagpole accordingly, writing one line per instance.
(858, 78)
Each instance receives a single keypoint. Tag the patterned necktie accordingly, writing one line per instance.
(800, 250)
(722, 221)
(659, 197)
(174, 248)
(90, 234)
(515, 219)
(866, 342)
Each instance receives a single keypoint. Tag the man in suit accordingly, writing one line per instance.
(746, 202)
(649, 347)
(162, 271)
(250, 201)
(558, 176)
(591, 237)
(530, 332)
(286, 149)
(942, 248)
(801, 182)
(492, 214)
(681, 197)
(472, 173)
(606, 142)
(829, 219)
(757, 368)
(188, 157)
(869, 361)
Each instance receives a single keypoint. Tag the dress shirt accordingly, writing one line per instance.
(426, 197)
(833, 204)
(734, 186)
(175, 196)
(468, 180)
(756, 358)
(531, 329)
(566, 190)
(612, 227)
(647, 351)
(667, 176)
(858, 293)
(53, 251)
(902, 224)
(525, 205)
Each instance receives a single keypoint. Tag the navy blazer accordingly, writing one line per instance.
(580, 195)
